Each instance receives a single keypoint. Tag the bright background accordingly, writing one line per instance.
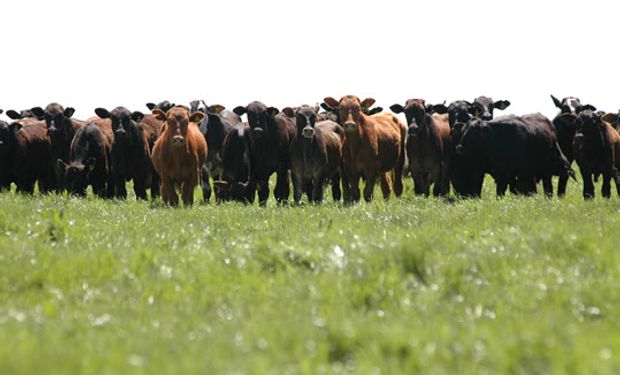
(87, 54)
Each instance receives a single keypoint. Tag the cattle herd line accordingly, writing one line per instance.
(176, 147)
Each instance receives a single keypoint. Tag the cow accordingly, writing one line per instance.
(24, 117)
(5, 161)
(517, 150)
(90, 161)
(316, 154)
(483, 106)
(373, 148)
(215, 125)
(131, 153)
(61, 129)
(235, 176)
(429, 146)
(179, 154)
(596, 147)
(565, 127)
(271, 133)
(30, 157)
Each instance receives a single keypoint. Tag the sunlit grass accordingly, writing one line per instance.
(432, 286)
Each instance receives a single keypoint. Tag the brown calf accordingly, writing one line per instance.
(374, 147)
(178, 154)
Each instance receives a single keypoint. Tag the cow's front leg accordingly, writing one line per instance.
(282, 190)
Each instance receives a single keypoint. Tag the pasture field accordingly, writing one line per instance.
(428, 286)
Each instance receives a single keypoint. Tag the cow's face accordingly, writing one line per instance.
(4, 135)
(474, 133)
(570, 104)
(305, 117)
(124, 122)
(459, 111)
(18, 115)
(415, 110)
(76, 175)
(350, 110)
(177, 123)
(259, 117)
(56, 118)
(483, 107)
(589, 123)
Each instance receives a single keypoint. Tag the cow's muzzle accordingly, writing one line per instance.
(178, 140)
(258, 133)
(412, 130)
(350, 126)
(307, 132)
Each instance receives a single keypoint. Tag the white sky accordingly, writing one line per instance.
(94, 53)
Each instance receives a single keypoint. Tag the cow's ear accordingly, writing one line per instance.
(137, 116)
(288, 111)
(440, 108)
(90, 164)
(585, 108)
(501, 104)
(397, 108)
(272, 111)
(327, 108)
(316, 108)
(556, 102)
(367, 103)
(159, 114)
(1, 111)
(38, 112)
(61, 165)
(150, 106)
(15, 127)
(216, 108)
(240, 110)
(196, 117)
(611, 118)
(102, 112)
(375, 110)
(13, 115)
(331, 102)
(69, 111)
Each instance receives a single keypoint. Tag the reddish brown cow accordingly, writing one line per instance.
(179, 153)
(428, 146)
(373, 147)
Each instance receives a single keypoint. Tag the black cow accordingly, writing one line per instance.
(5, 161)
(565, 127)
(215, 125)
(316, 154)
(515, 149)
(483, 107)
(235, 180)
(61, 129)
(131, 153)
(25, 114)
(90, 160)
(271, 134)
(164, 106)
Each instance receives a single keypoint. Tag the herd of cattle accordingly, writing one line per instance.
(176, 147)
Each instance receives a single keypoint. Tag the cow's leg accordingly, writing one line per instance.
(263, 192)
(205, 183)
(155, 181)
(606, 189)
(297, 184)
(336, 192)
(588, 185)
(371, 179)
(317, 190)
(385, 185)
(501, 184)
(187, 191)
(547, 186)
(282, 189)
(120, 189)
(139, 185)
(562, 185)
(355, 188)
(168, 192)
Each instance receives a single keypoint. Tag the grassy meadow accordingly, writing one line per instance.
(408, 286)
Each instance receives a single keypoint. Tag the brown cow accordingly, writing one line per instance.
(179, 154)
(374, 147)
(428, 146)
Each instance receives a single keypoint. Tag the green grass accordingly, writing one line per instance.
(429, 286)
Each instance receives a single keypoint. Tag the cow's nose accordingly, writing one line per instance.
(308, 132)
(459, 150)
(258, 132)
(413, 130)
(178, 140)
(349, 126)
(487, 117)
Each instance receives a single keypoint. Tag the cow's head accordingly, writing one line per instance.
(459, 111)
(76, 175)
(415, 110)
(483, 107)
(18, 115)
(260, 117)
(4, 134)
(165, 106)
(57, 118)
(612, 119)
(333, 113)
(473, 138)
(124, 123)
(177, 122)
(305, 118)
(570, 104)
(589, 123)
(350, 110)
